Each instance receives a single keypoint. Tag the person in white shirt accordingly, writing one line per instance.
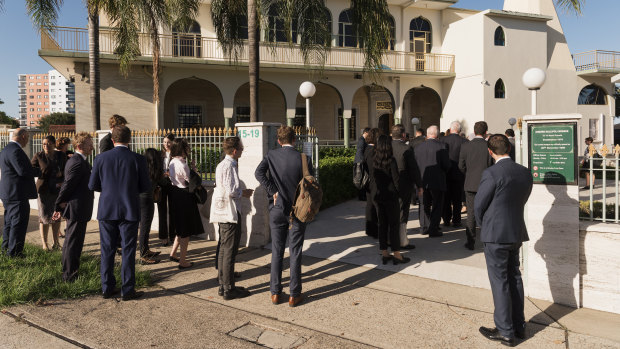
(227, 178)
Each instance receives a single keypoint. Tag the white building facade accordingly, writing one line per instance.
(62, 93)
(444, 64)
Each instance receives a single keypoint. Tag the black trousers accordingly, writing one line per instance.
(371, 217)
(470, 226)
(405, 204)
(388, 216)
(453, 202)
(507, 286)
(431, 208)
(230, 235)
(16, 215)
(166, 228)
(147, 209)
(72, 249)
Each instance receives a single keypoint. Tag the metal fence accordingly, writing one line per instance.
(206, 144)
(5, 138)
(605, 167)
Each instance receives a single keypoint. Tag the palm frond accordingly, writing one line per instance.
(44, 13)
(371, 23)
(228, 17)
(312, 21)
(183, 12)
(124, 17)
(571, 5)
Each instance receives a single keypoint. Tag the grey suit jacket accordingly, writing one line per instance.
(499, 203)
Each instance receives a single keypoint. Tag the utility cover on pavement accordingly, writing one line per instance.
(266, 337)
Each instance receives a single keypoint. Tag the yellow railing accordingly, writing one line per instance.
(195, 46)
(597, 60)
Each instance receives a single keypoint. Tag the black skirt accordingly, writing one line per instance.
(184, 212)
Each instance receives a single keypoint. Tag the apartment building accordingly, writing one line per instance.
(42, 94)
(443, 64)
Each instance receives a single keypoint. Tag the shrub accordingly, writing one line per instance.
(336, 179)
(325, 153)
(584, 209)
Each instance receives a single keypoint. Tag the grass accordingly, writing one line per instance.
(38, 277)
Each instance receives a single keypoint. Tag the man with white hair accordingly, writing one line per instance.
(434, 163)
(453, 202)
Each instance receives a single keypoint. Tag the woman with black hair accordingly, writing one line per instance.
(166, 228)
(368, 159)
(155, 166)
(384, 191)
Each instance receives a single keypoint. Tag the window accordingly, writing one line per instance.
(243, 114)
(38, 90)
(38, 109)
(31, 90)
(420, 36)
(346, 36)
(38, 84)
(53, 109)
(500, 89)
(39, 97)
(189, 116)
(32, 115)
(53, 83)
(46, 103)
(31, 123)
(39, 77)
(53, 103)
(31, 97)
(592, 95)
(392, 42)
(31, 109)
(45, 77)
(47, 109)
(38, 115)
(53, 96)
(46, 96)
(45, 83)
(276, 32)
(500, 37)
(31, 103)
(46, 90)
(352, 124)
(38, 103)
(32, 84)
(32, 77)
(52, 77)
(186, 43)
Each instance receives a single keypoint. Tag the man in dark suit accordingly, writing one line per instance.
(359, 157)
(473, 160)
(106, 142)
(504, 189)
(16, 187)
(409, 174)
(453, 202)
(510, 133)
(434, 163)
(279, 173)
(75, 201)
(419, 138)
(120, 175)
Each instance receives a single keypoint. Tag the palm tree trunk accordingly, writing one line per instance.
(156, 54)
(254, 58)
(93, 61)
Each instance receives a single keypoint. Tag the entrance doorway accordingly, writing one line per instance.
(386, 121)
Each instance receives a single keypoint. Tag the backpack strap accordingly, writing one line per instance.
(304, 165)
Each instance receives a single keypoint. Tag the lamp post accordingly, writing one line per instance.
(533, 79)
(512, 122)
(415, 122)
(307, 91)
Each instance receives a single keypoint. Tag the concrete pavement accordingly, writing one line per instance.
(350, 304)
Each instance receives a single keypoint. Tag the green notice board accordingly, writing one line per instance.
(553, 153)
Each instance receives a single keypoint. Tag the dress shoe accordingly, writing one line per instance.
(191, 264)
(385, 260)
(408, 247)
(520, 332)
(110, 294)
(424, 232)
(174, 259)
(148, 261)
(132, 295)
(276, 298)
(586, 187)
(237, 274)
(469, 246)
(236, 292)
(494, 335)
(295, 301)
(151, 254)
(402, 260)
(220, 291)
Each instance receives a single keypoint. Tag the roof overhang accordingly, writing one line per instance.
(517, 15)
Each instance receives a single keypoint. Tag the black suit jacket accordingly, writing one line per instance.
(408, 172)
(280, 172)
(512, 148)
(503, 192)
(359, 151)
(473, 160)
(417, 141)
(454, 143)
(74, 191)
(434, 163)
(106, 143)
(17, 174)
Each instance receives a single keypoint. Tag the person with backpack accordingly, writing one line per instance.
(280, 173)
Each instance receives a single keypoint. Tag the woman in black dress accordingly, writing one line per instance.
(384, 191)
(183, 207)
(369, 160)
(155, 165)
(166, 228)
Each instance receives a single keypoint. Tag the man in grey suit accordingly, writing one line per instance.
(434, 163)
(473, 160)
(504, 189)
(409, 174)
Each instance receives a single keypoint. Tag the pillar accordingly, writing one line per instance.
(346, 117)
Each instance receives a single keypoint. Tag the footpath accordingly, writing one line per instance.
(351, 302)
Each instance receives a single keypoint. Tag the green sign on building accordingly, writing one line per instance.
(553, 153)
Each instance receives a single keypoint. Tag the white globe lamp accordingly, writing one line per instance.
(307, 91)
(533, 79)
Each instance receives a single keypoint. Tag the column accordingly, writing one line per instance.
(346, 117)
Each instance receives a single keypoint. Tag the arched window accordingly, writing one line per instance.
(310, 22)
(500, 89)
(500, 37)
(276, 32)
(346, 36)
(242, 27)
(186, 41)
(420, 36)
(392, 42)
(592, 95)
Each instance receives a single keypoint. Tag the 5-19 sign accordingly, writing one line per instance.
(255, 133)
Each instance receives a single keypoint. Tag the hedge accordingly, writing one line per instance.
(336, 180)
(325, 153)
(584, 209)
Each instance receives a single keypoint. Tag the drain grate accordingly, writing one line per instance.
(269, 338)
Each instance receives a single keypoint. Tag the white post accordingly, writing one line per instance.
(534, 102)
(307, 112)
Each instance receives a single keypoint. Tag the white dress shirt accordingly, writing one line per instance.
(227, 177)
(179, 172)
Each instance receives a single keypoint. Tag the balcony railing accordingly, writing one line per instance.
(195, 46)
(608, 61)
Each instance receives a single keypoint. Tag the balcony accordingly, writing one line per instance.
(190, 48)
(597, 63)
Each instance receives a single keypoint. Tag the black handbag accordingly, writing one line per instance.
(361, 177)
(196, 188)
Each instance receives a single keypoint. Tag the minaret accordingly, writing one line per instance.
(526, 6)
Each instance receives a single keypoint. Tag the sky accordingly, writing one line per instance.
(19, 41)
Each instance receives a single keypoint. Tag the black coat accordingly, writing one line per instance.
(106, 143)
(383, 184)
(17, 183)
(74, 191)
(473, 160)
(361, 148)
(417, 141)
(408, 172)
(504, 189)
(454, 143)
(434, 164)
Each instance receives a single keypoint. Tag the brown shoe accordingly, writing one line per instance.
(275, 299)
(148, 261)
(295, 301)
